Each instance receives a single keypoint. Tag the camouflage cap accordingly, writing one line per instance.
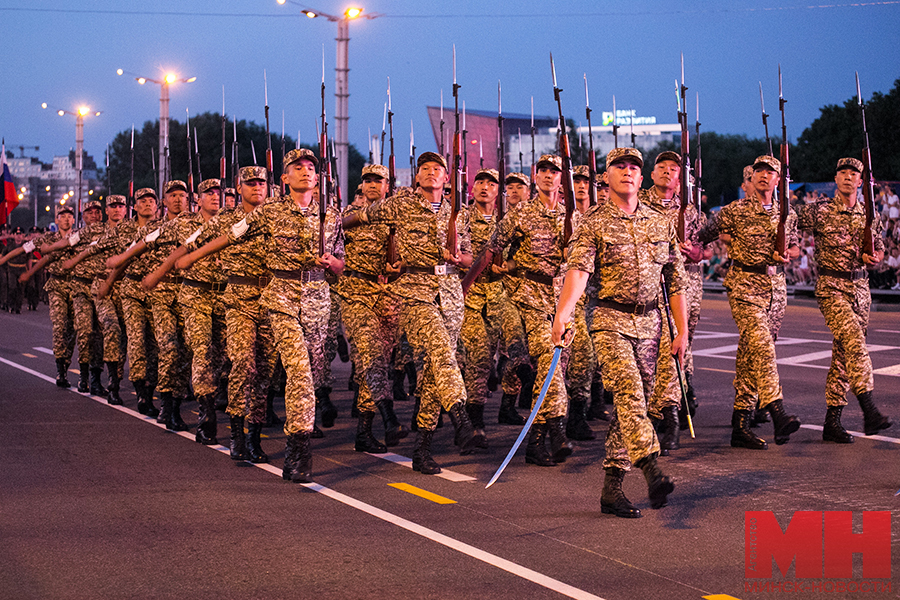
(93, 204)
(375, 171)
(65, 208)
(520, 177)
(549, 159)
(115, 199)
(253, 174)
(850, 163)
(208, 184)
(230, 192)
(748, 172)
(492, 174)
(601, 180)
(767, 162)
(667, 155)
(582, 171)
(299, 154)
(145, 192)
(427, 157)
(175, 184)
(624, 154)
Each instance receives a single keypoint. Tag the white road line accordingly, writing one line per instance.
(44, 350)
(859, 434)
(893, 370)
(439, 538)
(406, 462)
(887, 331)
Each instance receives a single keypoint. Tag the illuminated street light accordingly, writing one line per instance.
(164, 84)
(341, 88)
(80, 113)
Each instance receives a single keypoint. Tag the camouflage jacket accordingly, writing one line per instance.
(365, 247)
(630, 252)
(87, 236)
(143, 264)
(693, 223)
(483, 290)
(115, 241)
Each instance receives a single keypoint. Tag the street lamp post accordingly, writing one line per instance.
(79, 115)
(341, 87)
(164, 84)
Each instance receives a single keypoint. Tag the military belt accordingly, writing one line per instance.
(361, 275)
(853, 275)
(301, 276)
(632, 309)
(693, 268)
(133, 277)
(538, 277)
(173, 279)
(758, 269)
(65, 277)
(435, 270)
(260, 282)
(218, 286)
(84, 280)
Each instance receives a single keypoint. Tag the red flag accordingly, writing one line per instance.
(8, 196)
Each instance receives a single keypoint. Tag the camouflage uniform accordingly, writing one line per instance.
(62, 313)
(432, 305)
(757, 300)
(87, 328)
(143, 354)
(630, 252)
(297, 297)
(843, 301)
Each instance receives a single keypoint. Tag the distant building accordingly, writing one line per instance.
(42, 186)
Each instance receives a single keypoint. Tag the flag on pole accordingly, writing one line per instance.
(8, 195)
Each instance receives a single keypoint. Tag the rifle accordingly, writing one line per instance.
(270, 180)
(615, 125)
(190, 180)
(868, 187)
(592, 164)
(765, 118)
(252, 153)
(501, 171)
(465, 149)
(108, 185)
(392, 255)
(698, 165)
(235, 155)
(568, 184)
(784, 186)
(631, 124)
(323, 166)
(442, 121)
(131, 181)
(223, 167)
(533, 159)
(392, 176)
(282, 153)
(336, 182)
(685, 174)
(521, 158)
(383, 125)
(197, 154)
(456, 182)
(155, 171)
(412, 149)
(371, 148)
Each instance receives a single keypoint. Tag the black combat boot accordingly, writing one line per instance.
(422, 460)
(323, 401)
(112, 397)
(221, 395)
(271, 416)
(526, 393)
(62, 369)
(351, 381)
(414, 422)
(465, 436)
(758, 416)
(658, 485)
(365, 441)
(577, 427)
(97, 388)
(237, 449)
(560, 447)
(145, 398)
(834, 431)
(398, 391)
(741, 436)
(342, 350)
(476, 416)
(784, 423)
(508, 414)
(165, 405)
(354, 404)
(873, 420)
(493, 380)
(84, 384)
(393, 430)
(536, 450)
(175, 422)
(412, 377)
(669, 433)
(597, 410)
(613, 500)
(206, 420)
(316, 433)
(253, 446)
(297, 459)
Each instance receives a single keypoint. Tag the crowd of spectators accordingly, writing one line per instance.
(803, 270)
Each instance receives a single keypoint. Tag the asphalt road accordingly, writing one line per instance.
(99, 502)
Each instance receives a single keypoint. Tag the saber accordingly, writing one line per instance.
(678, 371)
(557, 352)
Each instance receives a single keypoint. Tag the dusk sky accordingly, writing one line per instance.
(66, 53)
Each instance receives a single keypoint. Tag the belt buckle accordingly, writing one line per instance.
(771, 270)
(640, 309)
(558, 281)
(440, 269)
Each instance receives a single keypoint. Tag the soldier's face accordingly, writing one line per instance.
(115, 212)
(92, 215)
(665, 174)
(175, 201)
(374, 188)
(253, 192)
(582, 189)
(145, 207)
(516, 192)
(300, 176)
(65, 221)
(764, 179)
(848, 181)
(431, 176)
(209, 201)
(624, 178)
(602, 194)
(548, 179)
(485, 190)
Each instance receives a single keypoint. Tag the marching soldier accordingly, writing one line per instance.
(631, 245)
(842, 291)
(17, 265)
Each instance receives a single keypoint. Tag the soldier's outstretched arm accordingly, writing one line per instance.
(11, 255)
(115, 275)
(215, 245)
(114, 262)
(34, 269)
(151, 280)
(70, 264)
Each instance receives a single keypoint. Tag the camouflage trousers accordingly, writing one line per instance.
(756, 372)
(87, 329)
(112, 324)
(538, 330)
(299, 393)
(331, 336)
(143, 355)
(847, 316)
(495, 326)
(628, 365)
(314, 318)
(371, 324)
(666, 389)
(433, 332)
(582, 358)
(251, 348)
(168, 326)
(204, 320)
(693, 297)
(62, 316)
